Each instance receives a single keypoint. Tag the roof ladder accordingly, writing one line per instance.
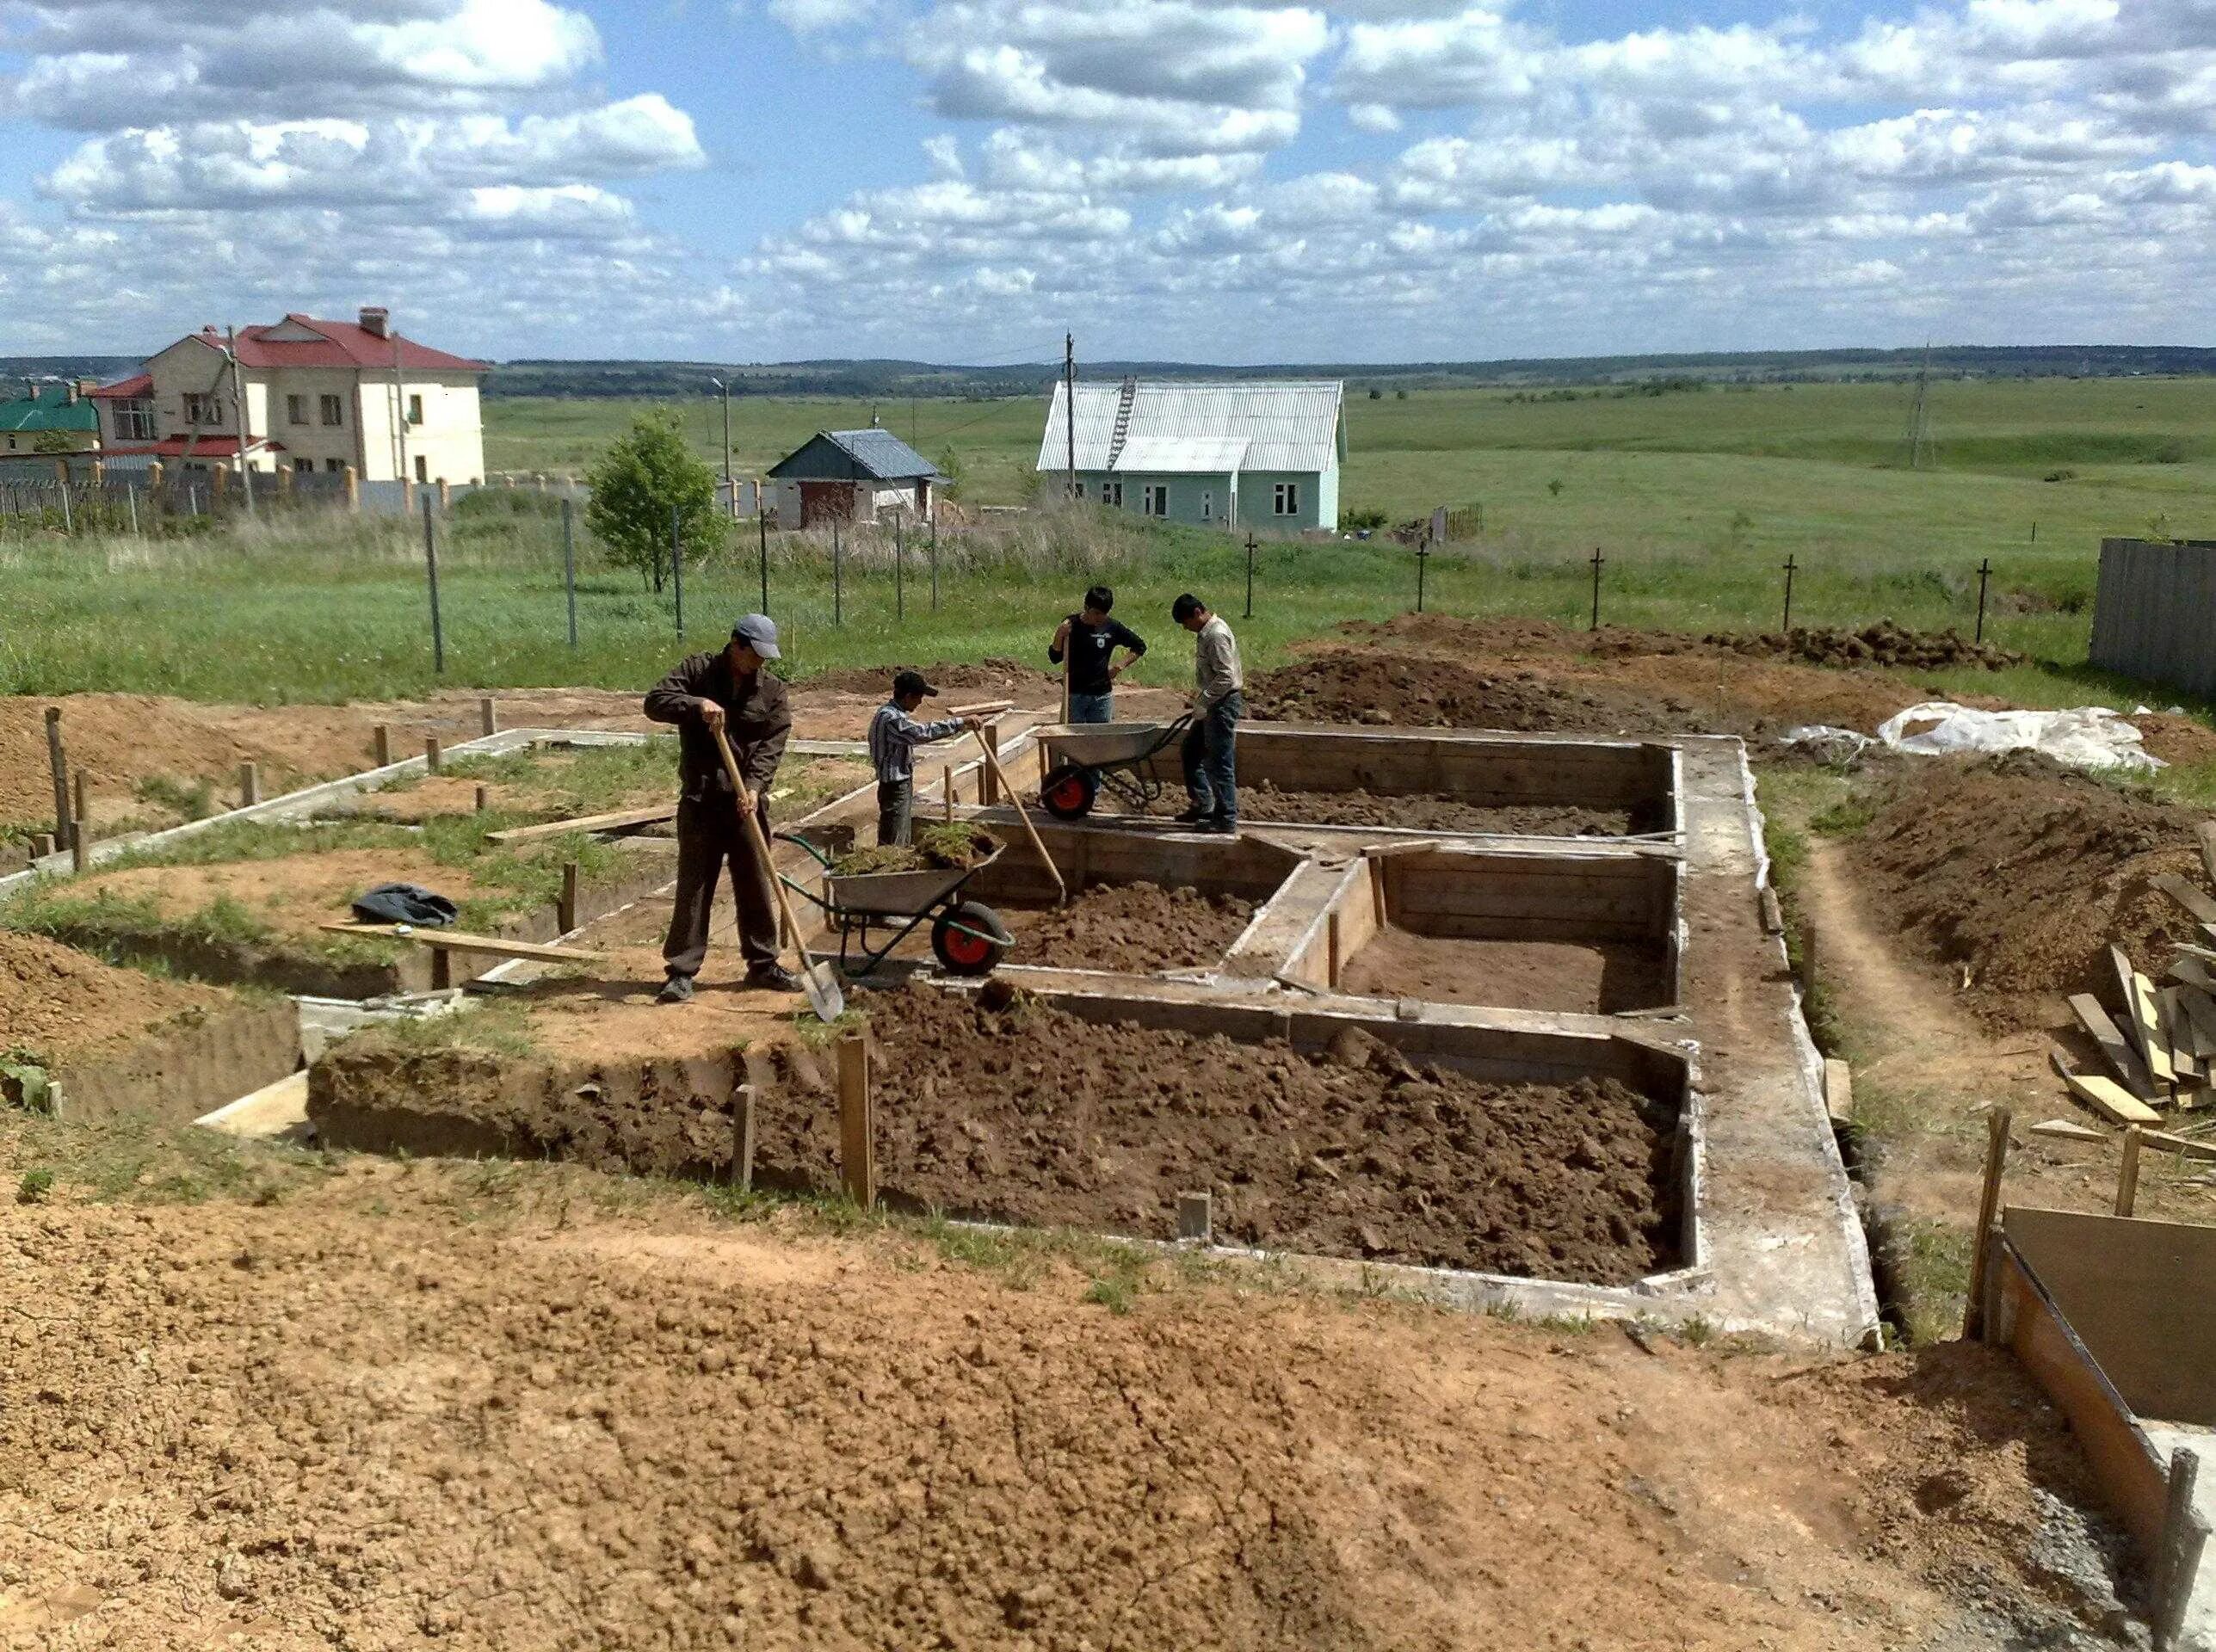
(1122, 421)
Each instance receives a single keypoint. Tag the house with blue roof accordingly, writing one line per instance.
(850, 476)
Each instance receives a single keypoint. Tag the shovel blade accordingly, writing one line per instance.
(825, 996)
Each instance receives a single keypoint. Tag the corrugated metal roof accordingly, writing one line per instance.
(1209, 455)
(1285, 424)
(49, 410)
(883, 454)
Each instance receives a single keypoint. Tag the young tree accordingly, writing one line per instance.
(637, 483)
(53, 441)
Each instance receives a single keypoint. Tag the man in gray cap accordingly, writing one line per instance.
(730, 691)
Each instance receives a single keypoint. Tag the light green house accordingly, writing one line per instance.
(1261, 453)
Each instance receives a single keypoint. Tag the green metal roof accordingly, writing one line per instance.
(49, 410)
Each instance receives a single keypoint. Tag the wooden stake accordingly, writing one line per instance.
(381, 739)
(58, 760)
(488, 717)
(989, 782)
(1331, 949)
(742, 1138)
(250, 785)
(1989, 1206)
(80, 846)
(857, 1124)
(2177, 1563)
(946, 791)
(2127, 1172)
(42, 845)
(431, 751)
(483, 798)
(988, 739)
(565, 914)
(83, 811)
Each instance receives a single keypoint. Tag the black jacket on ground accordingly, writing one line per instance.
(759, 722)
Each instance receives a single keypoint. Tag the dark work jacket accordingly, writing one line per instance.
(759, 721)
(1089, 648)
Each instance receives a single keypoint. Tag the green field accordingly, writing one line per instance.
(1695, 499)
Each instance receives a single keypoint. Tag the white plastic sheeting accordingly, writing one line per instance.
(2084, 737)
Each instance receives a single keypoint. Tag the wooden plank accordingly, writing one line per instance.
(2139, 1017)
(2116, 1049)
(2177, 1034)
(1989, 1206)
(2123, 1464)
(2163, 1141)
(2198, 902)
(455, 940)
(2127, 1172)
(2192, 972)
(2066, 1130)
(2104, 1096)
(2200, 1010)
(615, 821)
(269, 1111)
(2205, 834)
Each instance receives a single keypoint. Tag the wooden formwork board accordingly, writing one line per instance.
(1476, 894)
(1246, 867)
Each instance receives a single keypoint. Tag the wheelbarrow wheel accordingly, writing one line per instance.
(1069, 792)
(966, 938)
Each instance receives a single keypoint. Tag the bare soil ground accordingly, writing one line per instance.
(1421, 811)
(518, 1408)
(58, 1004)
(1134, 928)
(290, 895)
(1584, 977)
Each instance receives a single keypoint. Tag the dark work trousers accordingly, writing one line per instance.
(896, 810)
(1211, 757)
(710, 834)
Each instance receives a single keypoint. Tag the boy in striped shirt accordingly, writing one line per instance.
(894, 734)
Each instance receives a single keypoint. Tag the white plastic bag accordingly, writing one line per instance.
(2085, 737)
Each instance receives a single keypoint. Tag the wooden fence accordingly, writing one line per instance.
(2154, 617)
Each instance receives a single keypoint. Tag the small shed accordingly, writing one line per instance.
(850, 476)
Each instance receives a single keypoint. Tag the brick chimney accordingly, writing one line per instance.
(375, 319)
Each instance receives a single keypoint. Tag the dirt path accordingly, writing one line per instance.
(518, 1408)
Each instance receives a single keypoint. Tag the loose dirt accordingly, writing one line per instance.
(1582, 978)
(1134, 928)
(415, 1403)
(1434, 812)
(1882, 644)
(995, 678)
(2023, 873)
(1033, 1117)
(1413, 690)
(58, 1004)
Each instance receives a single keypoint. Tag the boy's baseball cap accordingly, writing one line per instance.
(912, 682)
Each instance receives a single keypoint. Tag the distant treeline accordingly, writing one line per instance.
(894, 381)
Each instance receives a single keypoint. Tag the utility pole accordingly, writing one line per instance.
(729, 490)
(1070, 407)
(238, 400)
(1919, 415)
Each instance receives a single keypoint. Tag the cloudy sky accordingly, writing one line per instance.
(962, 180)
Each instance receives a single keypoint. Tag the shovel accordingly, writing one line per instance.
(819, 981)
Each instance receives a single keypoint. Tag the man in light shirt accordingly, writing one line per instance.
(1219, 702)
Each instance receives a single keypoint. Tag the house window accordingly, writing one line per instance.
(202, 408)
(333, 410)
(1077, 491)
(296, 410)
(415, 409)
(1154, 499)
(134, 421)
(1285, 498)
(333, 466)
(1112, 494)
(422, 468)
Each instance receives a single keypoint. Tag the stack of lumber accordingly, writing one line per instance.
(2159, 1046)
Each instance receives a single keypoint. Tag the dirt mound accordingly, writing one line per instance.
(1433, 813)
(1883, 643)
(996, 674)
(1412, 690)
(2025, 872)
(1133, 926)
(57, 1003)
(412, 1402)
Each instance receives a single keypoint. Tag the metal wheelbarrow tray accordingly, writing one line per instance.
(1112, 757)
(967, 937)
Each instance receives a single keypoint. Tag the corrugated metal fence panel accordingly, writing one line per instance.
(2154, 614)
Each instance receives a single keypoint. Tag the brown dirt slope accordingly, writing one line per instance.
(57, 1003)
(1133, 927)
(402, 1408)
(2026, 872)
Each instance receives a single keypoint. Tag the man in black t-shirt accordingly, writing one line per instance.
(1087, 639)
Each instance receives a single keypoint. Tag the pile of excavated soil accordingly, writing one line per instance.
(1883, 643)
(1031, 1116)
(1582, 977)
(2025, 872)
(350, 1419)
(1136, 928)
(58, 1004)
(1412, 690)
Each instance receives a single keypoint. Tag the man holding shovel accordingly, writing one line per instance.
(728, 693)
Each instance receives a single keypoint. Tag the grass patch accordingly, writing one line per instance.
(187, 799)
(500, 1026)
(1929, 1263)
